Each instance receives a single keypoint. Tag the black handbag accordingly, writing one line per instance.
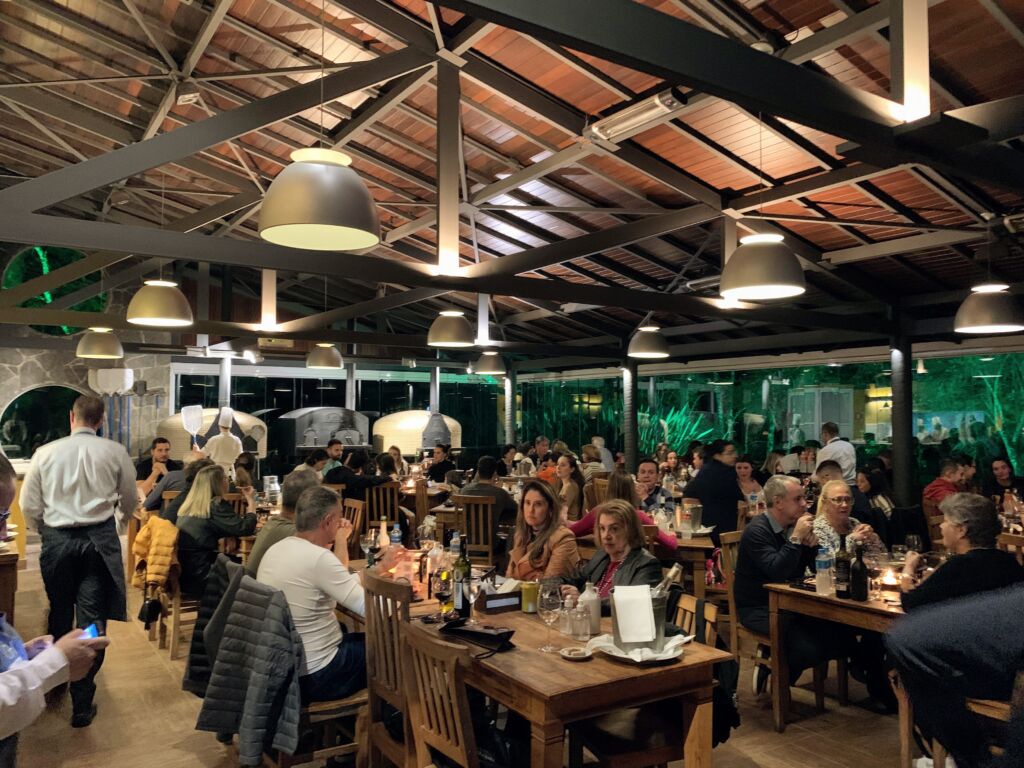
(494, 639)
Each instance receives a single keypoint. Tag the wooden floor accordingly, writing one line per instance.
(146, 720)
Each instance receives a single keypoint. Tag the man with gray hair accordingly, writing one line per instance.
(606, 456)
(283, 525)
(315, 580)
(776, 547)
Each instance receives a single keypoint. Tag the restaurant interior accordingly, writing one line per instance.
(537, 232)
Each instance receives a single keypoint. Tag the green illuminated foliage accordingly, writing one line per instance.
(42, 260)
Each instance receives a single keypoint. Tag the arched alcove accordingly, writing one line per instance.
(36, 417)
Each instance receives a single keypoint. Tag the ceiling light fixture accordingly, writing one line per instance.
(648, 344)
(159, 304)
(450, 329)
(721, 383)
(762, 268)
(489, 364)
(920, 367)
(324, 355)
(637, 117)
(318, 202)
(989, 312)
(99, 344)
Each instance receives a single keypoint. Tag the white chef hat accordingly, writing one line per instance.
(227, 415)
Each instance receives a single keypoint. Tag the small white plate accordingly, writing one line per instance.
(575, 654)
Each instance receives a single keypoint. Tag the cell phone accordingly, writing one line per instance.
(93, 631)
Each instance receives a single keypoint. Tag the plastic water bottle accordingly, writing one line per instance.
(823, 577)
(396, 536)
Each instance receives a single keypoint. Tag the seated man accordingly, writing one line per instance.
(648, 487)
(315, 580)
(354, 476)
(504, 505)
(777, 547)
(970, 647)
(946, 484)
(149, 472)
(283, 525)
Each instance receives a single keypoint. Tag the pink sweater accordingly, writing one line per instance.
(585, 526)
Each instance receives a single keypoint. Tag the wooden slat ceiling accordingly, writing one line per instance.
(717, 143)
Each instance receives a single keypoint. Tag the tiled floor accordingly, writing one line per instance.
(146, 720)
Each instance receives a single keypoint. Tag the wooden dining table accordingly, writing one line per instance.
(783, 599)
(551, 693)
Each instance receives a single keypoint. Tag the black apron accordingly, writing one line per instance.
(104, 538)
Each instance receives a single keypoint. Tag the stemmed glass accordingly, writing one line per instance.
(913, 542)
(442, 590)
(366, 541)
(472, 594)
(549, 606)
(877, 560)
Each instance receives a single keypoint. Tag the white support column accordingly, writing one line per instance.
(483, 312)
(730, 238)
(449, 158)
(203, 301)
(268, 303)
(908, 43)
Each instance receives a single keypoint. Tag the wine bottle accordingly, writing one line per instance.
(843, 562)
(859, 576)
(671, 577)
(462, 572)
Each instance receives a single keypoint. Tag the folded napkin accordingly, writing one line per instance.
(510, 585)
(672, 649)
(634, 613)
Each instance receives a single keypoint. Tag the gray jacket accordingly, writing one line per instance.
(221, 585)
(254, 686)
(639, 567)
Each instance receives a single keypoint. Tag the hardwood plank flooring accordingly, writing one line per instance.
(146, 720)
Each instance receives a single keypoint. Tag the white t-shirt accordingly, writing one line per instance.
(313, 581)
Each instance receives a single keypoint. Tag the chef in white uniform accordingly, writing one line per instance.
(224, 448)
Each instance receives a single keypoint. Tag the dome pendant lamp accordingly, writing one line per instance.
(762, 267)
(324, 355)
(489, 364)
(450, 329)
(159, 304)
(989, 311)
(648, 344)
(99, 344)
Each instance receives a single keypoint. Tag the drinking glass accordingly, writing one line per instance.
(472, 595)
(549, 606)
(442, 590)
(913, 543)
(877, 561)
(899, 554)
(366, 541)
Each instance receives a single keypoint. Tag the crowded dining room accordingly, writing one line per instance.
(651, 395)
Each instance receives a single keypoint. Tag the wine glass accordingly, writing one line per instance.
(472, 594)
(442, 586)
(366, 541)
(913, 542)
(549, 606)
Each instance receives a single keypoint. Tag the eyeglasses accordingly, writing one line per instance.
(842, 500)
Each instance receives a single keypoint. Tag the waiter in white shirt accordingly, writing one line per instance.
(224, 448)
(839, 451)
(73, 490)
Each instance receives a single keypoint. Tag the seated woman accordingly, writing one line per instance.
(969, 527)
(525, 466)
(673, 467)
(749, 484)
(401, 465)
(568, 486)
(872, 483)
(203, 519)
(315, 462)
(542, 546)
(440, 464)
(622, 487)
(622, 559)
(406, 518)
(770, 467)
(833, 519)
(591, 461)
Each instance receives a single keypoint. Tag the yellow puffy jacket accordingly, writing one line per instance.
(156, 554)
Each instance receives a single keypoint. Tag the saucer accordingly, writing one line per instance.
(575, 654)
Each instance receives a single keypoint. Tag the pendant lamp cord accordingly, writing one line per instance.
(323, 54)
(760, 161)
(163, 194)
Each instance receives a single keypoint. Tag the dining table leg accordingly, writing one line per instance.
(547, 744)
(697, 722)
(780, 669)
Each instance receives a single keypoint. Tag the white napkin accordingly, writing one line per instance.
(510, 585)
(672, 649)
(634, 613)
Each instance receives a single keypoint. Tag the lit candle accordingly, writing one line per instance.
(889, 578)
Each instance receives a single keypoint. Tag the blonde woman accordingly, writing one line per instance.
(833, 519)
(401, 465)
(203, 520)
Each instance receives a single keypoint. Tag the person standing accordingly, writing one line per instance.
(838, 450)
(225, 447)
(74, 490)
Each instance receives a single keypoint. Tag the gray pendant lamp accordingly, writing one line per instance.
(318, 203)
(989, 309)
(159, 304)
(761, 268)
(99, 344)
(450, 329)
(648, 344)
(489, 364)
(324, 355)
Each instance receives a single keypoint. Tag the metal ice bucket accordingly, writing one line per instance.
(659, 605)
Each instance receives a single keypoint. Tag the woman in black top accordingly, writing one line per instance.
(440, 465)
(1002, 480)
(203, 520)
(717, 489)
(969, 533)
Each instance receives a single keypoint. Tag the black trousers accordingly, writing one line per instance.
(809, 641)
(80, 589)
(966, 648)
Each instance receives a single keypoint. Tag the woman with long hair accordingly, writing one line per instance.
(591, 461)
(401, 465)
(542, 546)
(621, 487)
(872, 483)
(203, 520)
(568, 485)
(770, 467)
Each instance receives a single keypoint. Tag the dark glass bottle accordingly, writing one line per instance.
(843, 564)
(859, 576)
(462, 572)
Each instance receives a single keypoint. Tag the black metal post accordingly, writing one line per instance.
(629, 425)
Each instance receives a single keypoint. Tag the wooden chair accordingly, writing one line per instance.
(589, 496)
(387, 616)
(742, 510)
(422, 501)
(237, 500)
(354, 510)
(167, 496)
(600, 490)
(438, 705)
(478, 518)
(183, 616)
(650, 537)
(600, 474)
(738, 633)
(639, 737)
(1013, 543)
(338, 488)
(382, 502)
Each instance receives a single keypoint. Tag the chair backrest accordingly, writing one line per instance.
(168, 495)
(589, 496)
(650, 537)
(600, 474)
(354, 511)
(741, 515)
(440, 714)
(686, 619)
(934, 530)
(1012, 543)
(387, 614)
(338, 488)
(237, 501)
(382, 501)
(730, 550)
(600, 490)
(478, 518)
(422, 500)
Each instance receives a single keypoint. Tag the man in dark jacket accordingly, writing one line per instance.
(354, 476)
